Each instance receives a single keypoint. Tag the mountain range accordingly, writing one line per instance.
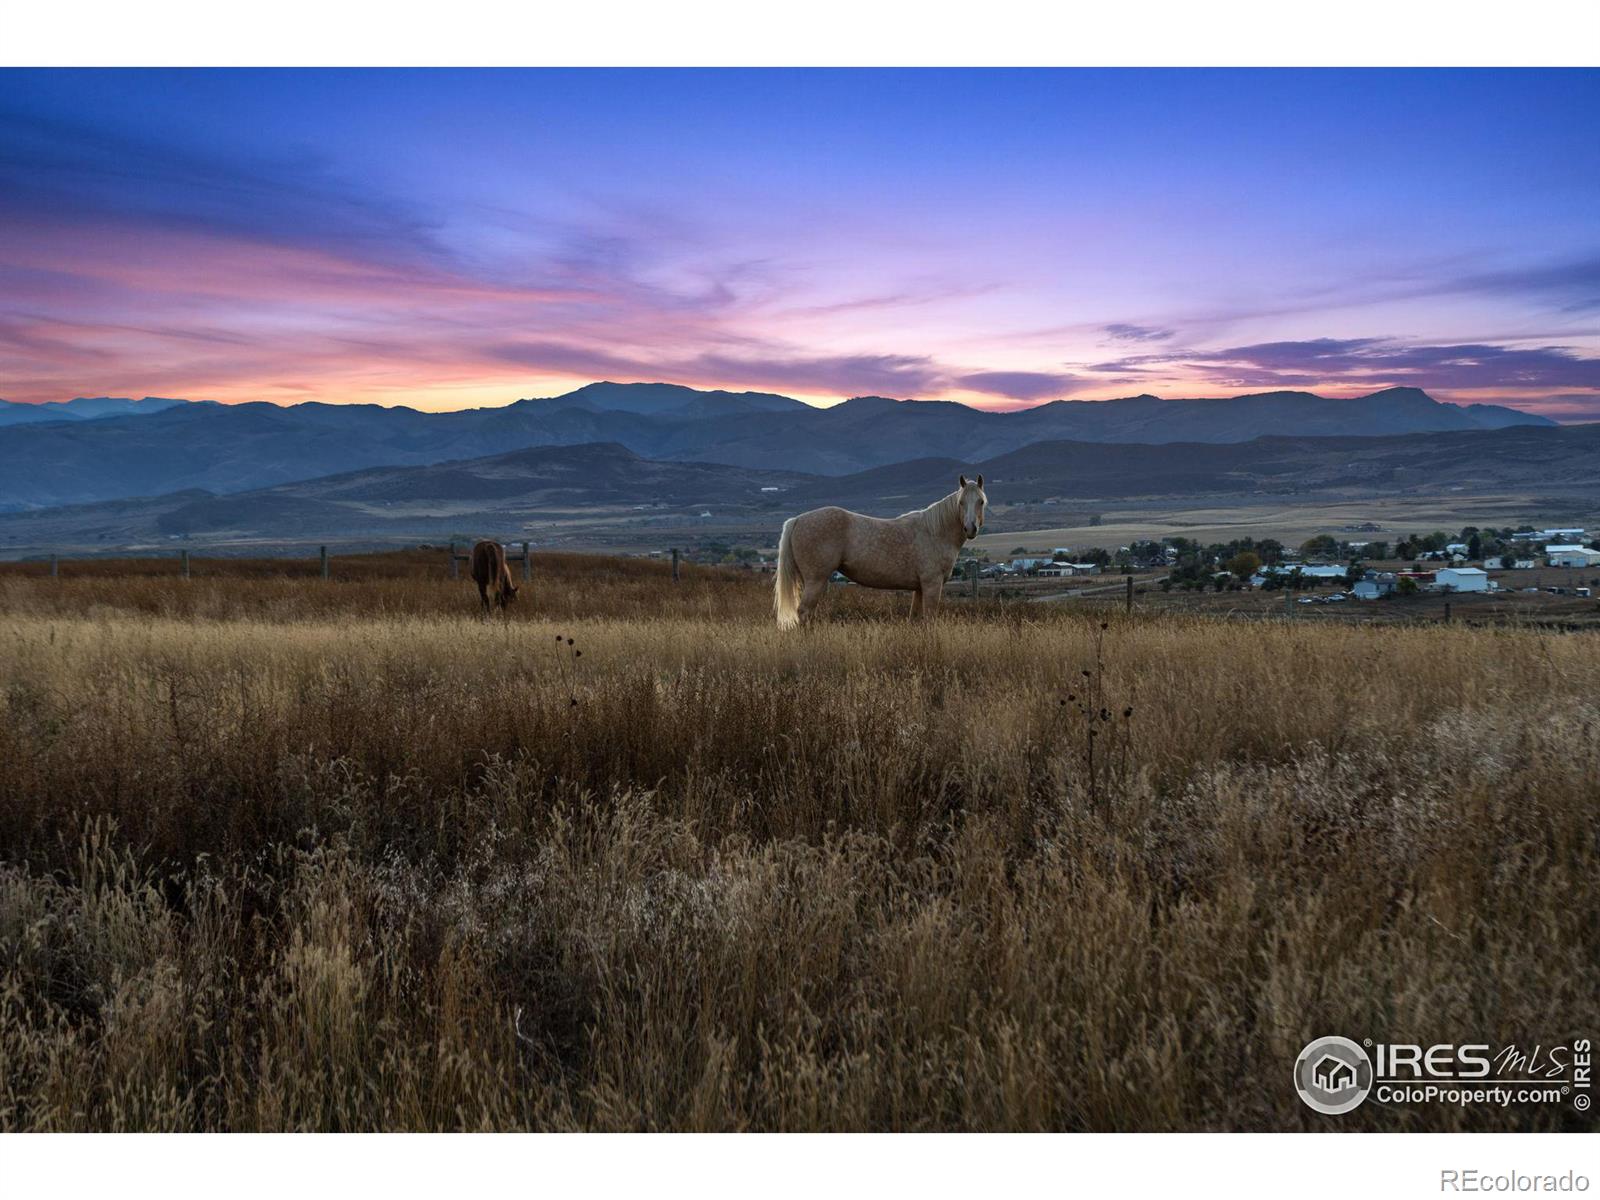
(105, 449)
(84, 408)
(615, 493)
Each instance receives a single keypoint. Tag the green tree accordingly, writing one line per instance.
(1243, 564)
(1324, 545)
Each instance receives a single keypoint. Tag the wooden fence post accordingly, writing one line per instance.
(454, 570)
(323, 552)
(527, 565)
(1447, 611)
(674, 564)
(972, 569)
(55, 566)
(1129, 607)
(184, 554)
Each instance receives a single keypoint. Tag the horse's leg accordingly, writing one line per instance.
(916, 603)
(810, 595)
(930, 595)
(483, 595)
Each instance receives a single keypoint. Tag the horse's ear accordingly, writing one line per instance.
(963, 481)
(980, 480)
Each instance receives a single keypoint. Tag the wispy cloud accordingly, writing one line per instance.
(1122, 332)
(57, 168)
(1021, 385)
(843, 375)
(1573, 285)
(1372, 363)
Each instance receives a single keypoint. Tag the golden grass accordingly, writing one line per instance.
(280, 854)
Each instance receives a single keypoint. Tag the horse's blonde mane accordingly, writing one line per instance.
(939, 516)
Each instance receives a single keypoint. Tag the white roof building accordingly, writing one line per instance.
(1309, 570)
(1572, 556)
(1462, 579)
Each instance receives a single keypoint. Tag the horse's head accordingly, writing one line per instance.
(507, 594)
(973, 502)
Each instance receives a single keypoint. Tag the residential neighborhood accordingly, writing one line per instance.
(1323, 570)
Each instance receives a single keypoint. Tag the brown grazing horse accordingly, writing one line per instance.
(489, 567)
(914, 552)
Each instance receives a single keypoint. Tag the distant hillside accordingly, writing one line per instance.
(606, 487)
(499, 492)
(222, 448)
(1527, 457)
(84, 408)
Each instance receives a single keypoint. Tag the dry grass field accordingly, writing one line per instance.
(284, 854)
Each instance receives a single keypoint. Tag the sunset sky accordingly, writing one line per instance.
(451, 239)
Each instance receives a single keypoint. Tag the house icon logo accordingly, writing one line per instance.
(1333, 1075)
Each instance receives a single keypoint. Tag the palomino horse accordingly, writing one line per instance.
(489, 569)
(914, 552)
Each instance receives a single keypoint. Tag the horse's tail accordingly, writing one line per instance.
(786, 589)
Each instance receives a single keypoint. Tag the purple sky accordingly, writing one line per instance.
(448, 239)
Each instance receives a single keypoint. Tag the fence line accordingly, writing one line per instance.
(324, 561)
(457, 557)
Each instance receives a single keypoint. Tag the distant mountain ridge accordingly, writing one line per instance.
(176, 445)
(83, 408)
(618, 489)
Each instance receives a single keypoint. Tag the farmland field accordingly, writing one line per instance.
(280, 853)
(1291, 519)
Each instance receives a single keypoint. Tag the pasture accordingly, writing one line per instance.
(279, 853)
